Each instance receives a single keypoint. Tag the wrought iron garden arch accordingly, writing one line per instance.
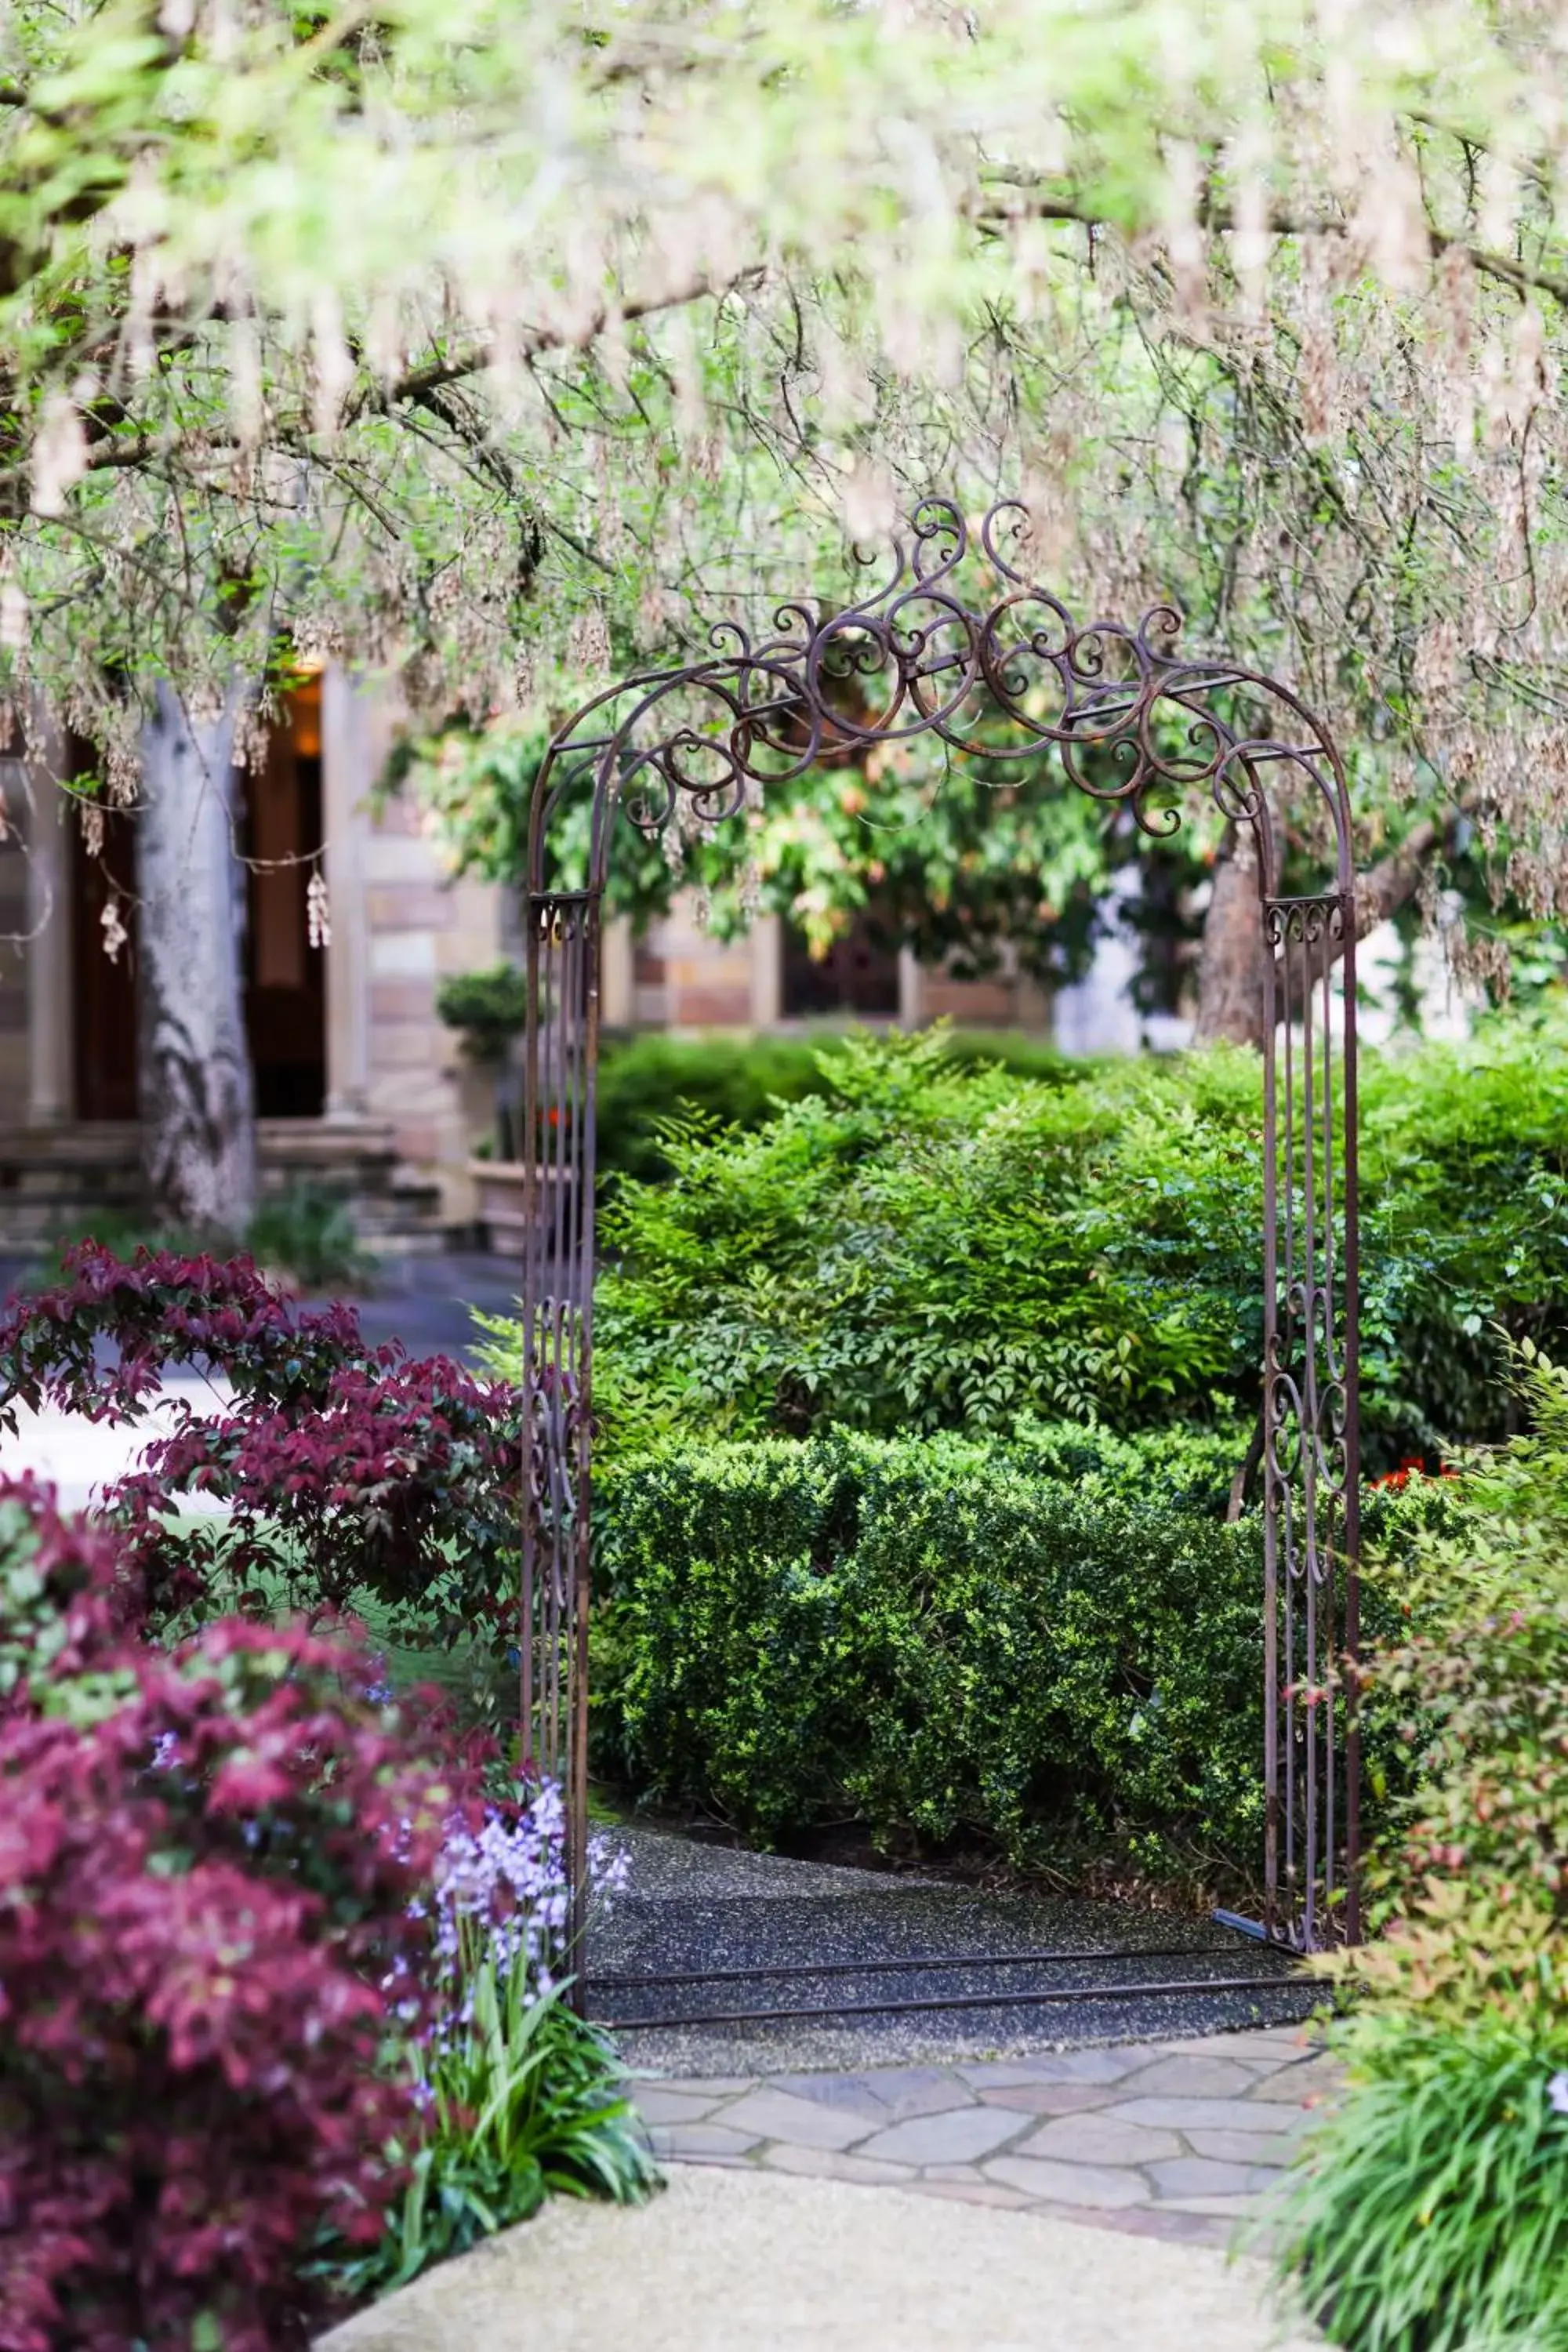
(697, 744)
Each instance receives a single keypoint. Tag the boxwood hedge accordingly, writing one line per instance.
(946, 1640)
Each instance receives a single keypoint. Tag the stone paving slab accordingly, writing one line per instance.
(1183, 2141)
(730, 2261)
(961, 2135)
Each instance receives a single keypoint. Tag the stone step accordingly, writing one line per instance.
(56, 1181)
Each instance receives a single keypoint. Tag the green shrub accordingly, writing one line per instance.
(1464, 1225)
(647, 1080)
(308, 1233)
(1429, 2213)
(1472, 1879)
(931, 1244)
(736, 1080)
(488, 1008)
(944, 1247)
(940, 1639)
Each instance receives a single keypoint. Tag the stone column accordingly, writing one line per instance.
(51, 1088)
(767, 971)
(912, 990)
(618, 990)
(348, 770)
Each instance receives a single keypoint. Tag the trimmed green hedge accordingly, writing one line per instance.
(940, 1640)
(736, 1081)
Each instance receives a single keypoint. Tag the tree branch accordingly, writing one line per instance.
(1221, 219)
(1393, 882)
(482, 351)
(112, 453)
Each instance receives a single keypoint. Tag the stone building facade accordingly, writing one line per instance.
(359, 1083)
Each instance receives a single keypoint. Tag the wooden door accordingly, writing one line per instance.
(859, 975)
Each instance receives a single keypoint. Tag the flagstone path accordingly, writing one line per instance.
(1181, 2140)
(1168, 2116)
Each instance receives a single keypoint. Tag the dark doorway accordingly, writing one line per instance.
(858, 974)
(104, 1039)
(285, 976)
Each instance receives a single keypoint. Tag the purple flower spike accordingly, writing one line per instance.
(498, 1901)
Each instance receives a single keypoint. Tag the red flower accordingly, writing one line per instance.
(1413, 1466)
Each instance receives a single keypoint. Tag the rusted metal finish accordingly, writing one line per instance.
(1311, 1465)
(955, 642)
(695, 744)
(561, 1057)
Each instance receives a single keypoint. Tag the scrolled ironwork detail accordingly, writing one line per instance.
(953, 641)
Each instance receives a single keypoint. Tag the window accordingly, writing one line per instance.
(859, 975)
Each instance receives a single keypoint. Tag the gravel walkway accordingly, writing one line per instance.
(702, 1932)
(737, 2262)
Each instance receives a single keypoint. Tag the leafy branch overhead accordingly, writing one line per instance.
(488, 344)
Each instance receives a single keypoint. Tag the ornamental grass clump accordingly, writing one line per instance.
(1431, 2212)
(1432, 2215)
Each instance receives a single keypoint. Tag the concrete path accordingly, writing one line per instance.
(423, 1301)
(742, 2262)
(1183, 2140)
(80, 1457)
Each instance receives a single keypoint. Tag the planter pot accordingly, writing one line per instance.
(499, 1184)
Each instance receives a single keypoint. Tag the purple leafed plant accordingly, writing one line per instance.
(233, 1879)
(344, 1467)
(211, 1861)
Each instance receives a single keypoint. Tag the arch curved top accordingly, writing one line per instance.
(956, 642)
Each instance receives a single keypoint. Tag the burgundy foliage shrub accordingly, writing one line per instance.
(208, 1859)
(346, 1467)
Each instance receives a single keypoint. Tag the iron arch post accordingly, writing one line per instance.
(955, 632)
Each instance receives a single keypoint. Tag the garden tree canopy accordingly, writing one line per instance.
(956, 860)
(476, 338)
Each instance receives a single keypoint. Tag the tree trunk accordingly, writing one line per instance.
(197, 1097)
(1230, 965)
